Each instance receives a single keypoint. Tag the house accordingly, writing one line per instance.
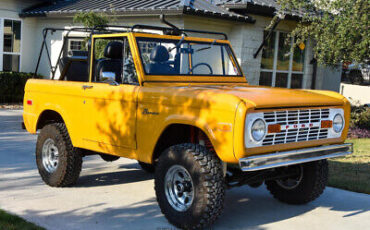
(244, 21)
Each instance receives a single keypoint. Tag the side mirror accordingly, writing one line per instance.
(109, 77)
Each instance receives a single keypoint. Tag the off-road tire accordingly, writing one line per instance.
(108, 158)
(149, 168)
(206, 171)
(312, 185)
(70, 158)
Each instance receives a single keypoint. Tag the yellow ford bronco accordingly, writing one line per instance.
(181, 106)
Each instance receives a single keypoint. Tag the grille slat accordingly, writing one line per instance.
(296, 117)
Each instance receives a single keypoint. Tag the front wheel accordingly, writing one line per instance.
(308, 183)
(59, 163)
(189, 185)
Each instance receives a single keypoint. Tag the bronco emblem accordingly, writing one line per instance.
(147, 112)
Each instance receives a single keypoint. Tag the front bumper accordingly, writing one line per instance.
(293, 157)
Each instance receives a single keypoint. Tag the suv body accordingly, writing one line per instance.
(182, 106)
(358, 73)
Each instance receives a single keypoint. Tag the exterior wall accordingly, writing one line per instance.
(208, 24)
(328, 78)
(308, 67)
(29, 47)
(247, 38)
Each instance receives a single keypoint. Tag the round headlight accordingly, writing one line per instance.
(338, 123)
(258, 129)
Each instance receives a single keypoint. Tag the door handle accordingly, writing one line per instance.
(87, 87)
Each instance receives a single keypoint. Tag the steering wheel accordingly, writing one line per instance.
(200, 64)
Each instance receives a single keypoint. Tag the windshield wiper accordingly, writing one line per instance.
(206, 48)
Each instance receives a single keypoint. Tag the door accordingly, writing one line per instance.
(111, 98)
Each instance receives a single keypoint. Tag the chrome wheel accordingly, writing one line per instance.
(50, 155)
(179, 188)
(293, 182)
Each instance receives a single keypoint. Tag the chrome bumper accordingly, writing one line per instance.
(293, 157)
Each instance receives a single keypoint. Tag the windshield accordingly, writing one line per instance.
(180, 57)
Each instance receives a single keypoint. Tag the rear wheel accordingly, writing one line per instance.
(189, 185)
(308, 183)
(58, 162)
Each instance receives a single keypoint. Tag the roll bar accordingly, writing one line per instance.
(171, 30)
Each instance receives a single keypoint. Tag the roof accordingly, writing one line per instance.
(134, 7)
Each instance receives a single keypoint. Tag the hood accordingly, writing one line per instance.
(267, 97)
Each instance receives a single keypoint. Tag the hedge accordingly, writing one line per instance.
(12, 86)
(360, 117)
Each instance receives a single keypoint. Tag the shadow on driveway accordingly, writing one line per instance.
(113, 178)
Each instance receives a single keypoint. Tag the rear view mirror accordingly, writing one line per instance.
(109, 77)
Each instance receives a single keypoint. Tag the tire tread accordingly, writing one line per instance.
(214, 185)
(71, 166)
(318, 178)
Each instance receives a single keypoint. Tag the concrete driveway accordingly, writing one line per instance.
(119, 195)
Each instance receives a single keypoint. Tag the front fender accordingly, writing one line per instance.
(211, 122)
(216, 130)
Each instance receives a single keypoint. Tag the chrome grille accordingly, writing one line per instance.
(309, 118)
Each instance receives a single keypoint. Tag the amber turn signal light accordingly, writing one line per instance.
(274, 128)
(326, 124)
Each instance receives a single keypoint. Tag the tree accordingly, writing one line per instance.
(339, 28)
(91, 19)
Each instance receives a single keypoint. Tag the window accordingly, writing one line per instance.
(182, 57)
(279, 67)
(73, 44)
(10, 51)
(76, 45)
(114, 61)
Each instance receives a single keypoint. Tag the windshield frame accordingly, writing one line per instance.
(189, 77)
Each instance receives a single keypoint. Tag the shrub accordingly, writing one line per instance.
(12, 86)
(360, 118)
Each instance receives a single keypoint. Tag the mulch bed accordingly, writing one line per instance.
(358, 133)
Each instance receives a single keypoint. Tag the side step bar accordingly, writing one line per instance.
(293, 157)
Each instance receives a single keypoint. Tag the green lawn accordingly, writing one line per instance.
(11, 222)
(352, 172)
